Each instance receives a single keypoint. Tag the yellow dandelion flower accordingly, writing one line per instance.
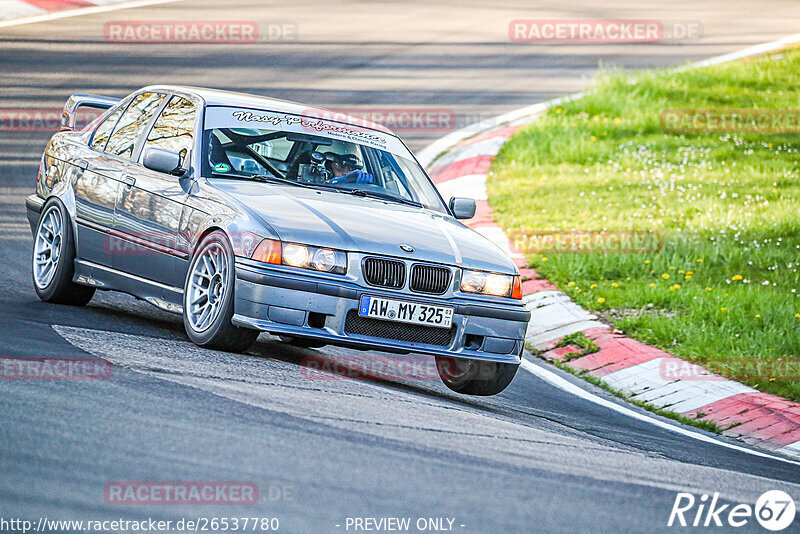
(681, 271)
(797, 315)
(772, 380)
(593, 138)
(723, 309)
(653, 284)
(708, 289)
(615, 284)
(758, 316)
(601, 300)
(579, 290)
(544, 259)
(571, 284)
(646, 262)
(699, 260)
(617, 120)
(769, 145)
(737, 277)
(687, 277)
(665, 276)
(558, 110)
(592, 286)
(628, 278)
(672, 268)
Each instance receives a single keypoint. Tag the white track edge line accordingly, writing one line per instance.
(81, 11)
(561, 383)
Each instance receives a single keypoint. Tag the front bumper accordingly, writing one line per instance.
(292, 302)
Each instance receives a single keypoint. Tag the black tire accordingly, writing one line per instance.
(61, 289)
(303, 342)
(221, 334)
(475, 377)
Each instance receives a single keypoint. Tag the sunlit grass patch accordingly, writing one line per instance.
(724, 287)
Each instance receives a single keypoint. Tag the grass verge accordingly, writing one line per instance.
(721, 290)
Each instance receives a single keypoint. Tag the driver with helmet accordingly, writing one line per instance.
(346, 169)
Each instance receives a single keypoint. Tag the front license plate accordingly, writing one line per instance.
(405, 312)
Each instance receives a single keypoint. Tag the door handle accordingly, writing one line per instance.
(129, 180)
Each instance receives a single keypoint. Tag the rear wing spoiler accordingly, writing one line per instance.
(77, 101)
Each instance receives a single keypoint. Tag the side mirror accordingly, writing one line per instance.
(463, 208)
(164, 161)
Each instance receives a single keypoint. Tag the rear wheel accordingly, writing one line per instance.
(475, 377)
(53, 259)
(208, 298)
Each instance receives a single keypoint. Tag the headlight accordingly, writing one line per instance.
(302, 256)
(324, 259)
(473, 281)
(295, 255)
(500, 285)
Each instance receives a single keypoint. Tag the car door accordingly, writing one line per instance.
(96, 182)
(109, 170)
(150, 206)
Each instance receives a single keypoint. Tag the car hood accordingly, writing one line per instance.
(348, 222)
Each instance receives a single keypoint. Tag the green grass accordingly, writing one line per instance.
(723, 290)
(579, 340)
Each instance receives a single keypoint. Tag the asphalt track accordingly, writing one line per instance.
(533, 459)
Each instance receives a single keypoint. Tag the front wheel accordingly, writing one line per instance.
(53, 259)
(475, 377)
(208, 298)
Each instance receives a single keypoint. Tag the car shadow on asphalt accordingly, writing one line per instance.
(333, 363)
(127, 315)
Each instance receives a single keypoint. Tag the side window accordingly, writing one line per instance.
(132, 124)
(174, 128)
(103, 131)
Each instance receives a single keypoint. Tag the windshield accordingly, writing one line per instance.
(309, 152)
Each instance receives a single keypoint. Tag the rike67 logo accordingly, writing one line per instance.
(774, 510)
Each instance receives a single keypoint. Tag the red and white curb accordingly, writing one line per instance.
(18, 12)
(642, 372)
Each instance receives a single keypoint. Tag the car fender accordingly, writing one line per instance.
(59, 176)
(244, 236)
